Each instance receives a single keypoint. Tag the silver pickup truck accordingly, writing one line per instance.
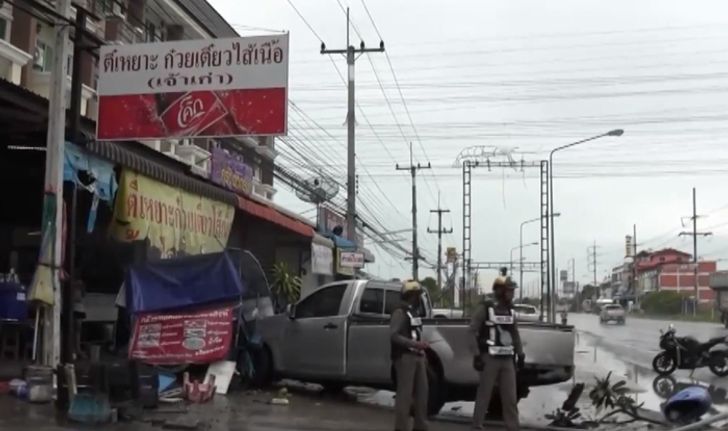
(338, 335)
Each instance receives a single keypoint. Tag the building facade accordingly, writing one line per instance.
(673, 270)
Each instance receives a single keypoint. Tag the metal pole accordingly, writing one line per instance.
(552, 282)
(695, 251)
(53, 184)
(351, 140)
(634, 266)
(520, 262)
(594, 262)
(415, 249)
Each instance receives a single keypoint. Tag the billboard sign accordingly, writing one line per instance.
(628, 246)
(175, 222)
(231, 173)
(564, 275)
(451, 255)
(193, 88)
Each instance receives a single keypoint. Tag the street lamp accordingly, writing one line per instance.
(520, 265)
(552, 284)
(520, 247)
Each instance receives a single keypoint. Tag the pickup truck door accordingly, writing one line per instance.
(315, 338)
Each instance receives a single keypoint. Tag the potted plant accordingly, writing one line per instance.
(286, 286)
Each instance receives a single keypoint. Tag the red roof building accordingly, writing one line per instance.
(673, 270)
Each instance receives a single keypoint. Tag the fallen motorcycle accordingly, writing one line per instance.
(687, 353)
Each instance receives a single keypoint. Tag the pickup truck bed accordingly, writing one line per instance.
(352, 347)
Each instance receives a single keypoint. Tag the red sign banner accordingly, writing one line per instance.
(191, 337)
(193, 88)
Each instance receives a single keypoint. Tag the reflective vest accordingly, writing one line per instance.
(495, 335)
(412, 330)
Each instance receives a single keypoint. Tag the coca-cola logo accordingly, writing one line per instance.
(191, 109)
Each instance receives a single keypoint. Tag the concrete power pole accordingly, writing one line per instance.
(695, 234)
(439, 233)
(413, 172)
(52, 223)
(592, 259)
(351, 57)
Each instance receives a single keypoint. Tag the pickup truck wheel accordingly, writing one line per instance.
(263, 367)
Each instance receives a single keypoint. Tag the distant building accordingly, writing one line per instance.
(673, 270)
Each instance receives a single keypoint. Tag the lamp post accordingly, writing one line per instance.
(519, 247)
(520, 264)
(552, 285)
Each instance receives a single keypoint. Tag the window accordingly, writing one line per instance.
(394, 301)
(324, 303)
(372, 301)
(42, 57)
(4, 29)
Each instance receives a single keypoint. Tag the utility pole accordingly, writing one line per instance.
(439, 233)
(695, 234)
(634, 266)
(413, 172)
(592, 259)
(351, 56)
(52, 221)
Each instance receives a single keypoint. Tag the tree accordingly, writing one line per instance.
(588, 291)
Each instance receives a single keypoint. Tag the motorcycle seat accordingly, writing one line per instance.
(715, 340)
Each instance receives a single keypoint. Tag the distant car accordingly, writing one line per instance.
(612, 312)
(526, 313)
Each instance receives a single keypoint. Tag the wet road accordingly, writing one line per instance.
(627, 351)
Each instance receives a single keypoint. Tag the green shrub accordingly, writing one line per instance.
(663, 302)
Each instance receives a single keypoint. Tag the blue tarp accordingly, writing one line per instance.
(183, 282)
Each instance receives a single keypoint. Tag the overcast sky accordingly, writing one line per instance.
(528, 74)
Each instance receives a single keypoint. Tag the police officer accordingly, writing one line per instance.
(410, 363)
(496, 343)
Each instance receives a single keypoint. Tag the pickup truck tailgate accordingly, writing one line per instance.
(547, 347)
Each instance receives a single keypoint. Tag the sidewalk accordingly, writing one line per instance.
(237, 411)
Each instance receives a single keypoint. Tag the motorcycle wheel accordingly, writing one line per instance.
(719, 364)
(664, 364)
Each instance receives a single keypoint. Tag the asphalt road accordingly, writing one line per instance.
(627, 351)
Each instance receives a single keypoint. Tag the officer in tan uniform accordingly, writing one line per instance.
(497, 350)
(410, 363)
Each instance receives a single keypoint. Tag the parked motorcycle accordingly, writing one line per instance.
(687, 353)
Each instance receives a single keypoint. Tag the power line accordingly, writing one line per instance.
(305, 21)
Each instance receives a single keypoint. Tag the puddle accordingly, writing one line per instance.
(644, 384)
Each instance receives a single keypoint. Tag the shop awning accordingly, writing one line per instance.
(341, 242)
(152, 164)
(274, 216)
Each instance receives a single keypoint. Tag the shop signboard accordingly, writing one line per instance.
(322, 259)
(351, 259)
(174, 221)
(193, 88)
(184, 337)
(330, 219)
(231, 173)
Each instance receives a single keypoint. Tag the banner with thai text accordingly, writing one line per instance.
(192, 337)
(193, 88)
(176, 222)
(230, 173)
